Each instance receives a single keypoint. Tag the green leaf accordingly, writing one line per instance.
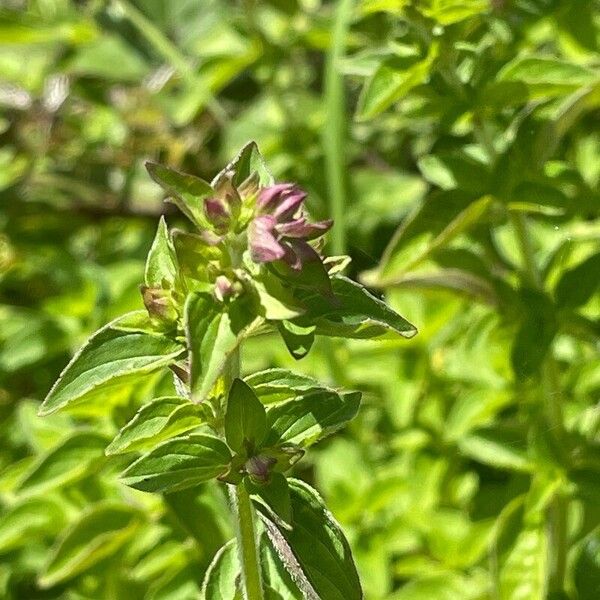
(456, 170)
(70, 461)
(392, 81)
(178, 464)
(277, 385)
(276, 299)
(109, 359)
(315, 551)
(33, 518)
(161, 264)
(577, 285)
(98, 534)
(311, 417)
(220, 580)
(273, 497)
(245, 418)
(186, 191)
(276, 579)
(447, 12)
(214, 332)
(248, 160)
(547, 76)
(298, 339)
(355, 313)
(161, 419)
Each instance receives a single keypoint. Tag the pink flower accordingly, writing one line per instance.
(280, 230)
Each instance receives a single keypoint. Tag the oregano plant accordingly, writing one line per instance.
(250, 262)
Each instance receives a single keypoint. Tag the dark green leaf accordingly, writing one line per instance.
(298, 339)
(109, 359)
(276, 385)
(354, 313)
(273, 497)
(178, 464)
(245, 418)
(315, 551)
(578, 285)
(310, 417)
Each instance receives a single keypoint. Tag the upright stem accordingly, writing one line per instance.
(558, 510)
(247, 546)
(246, 530)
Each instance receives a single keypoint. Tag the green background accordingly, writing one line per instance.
(455, 142)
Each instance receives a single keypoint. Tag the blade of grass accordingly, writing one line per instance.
(335, 128)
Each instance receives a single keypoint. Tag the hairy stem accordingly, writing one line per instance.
(245, 527)
(557, 522)
(247, 545)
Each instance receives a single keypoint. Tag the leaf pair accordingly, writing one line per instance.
(311, 559)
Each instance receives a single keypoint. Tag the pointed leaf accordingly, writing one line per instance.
(277, 385)
(311, 417)
(161, 419)
(178, 464)
(109, 358)
(161, 264)
(298, 339)
(245, 418)
(355, 314)
(187, 191)
(247, 161)
(273, 497)
(315, 551)
(221, 578)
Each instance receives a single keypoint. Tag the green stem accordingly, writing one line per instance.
(559, 507)
(246, 530)
(247, 546)
(334, 131)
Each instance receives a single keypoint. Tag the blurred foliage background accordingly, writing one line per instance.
(456, 142)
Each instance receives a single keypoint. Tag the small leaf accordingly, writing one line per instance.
(311, 417)
(109, 357)
(245, 418)
(298, 339)
(161, 264)
(178, 464)
(214, 332)
(99, 533)
(276, 385)
(315, 551)
(221, 578)
(276, 299)
(70, 461)
(355, 314)
(187, 191)
(161, 419)
(248, 160)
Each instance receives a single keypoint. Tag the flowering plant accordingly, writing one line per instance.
(252, 262)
